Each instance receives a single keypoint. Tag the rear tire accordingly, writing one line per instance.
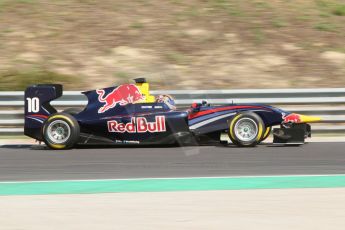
(61, 131)
(246, 129)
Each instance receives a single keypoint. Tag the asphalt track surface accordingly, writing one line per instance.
(33, 163)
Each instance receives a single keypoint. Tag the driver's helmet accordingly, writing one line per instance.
(166, 99)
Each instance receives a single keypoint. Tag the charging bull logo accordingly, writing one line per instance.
(292, 118)
(138, 125)
(122, 95)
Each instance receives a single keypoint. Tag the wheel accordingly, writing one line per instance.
(266, 133)
(72, 111)
(246, 129)
(61, 131)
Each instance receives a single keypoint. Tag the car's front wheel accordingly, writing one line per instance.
(266, 134)
(61, 131)
(246, 129)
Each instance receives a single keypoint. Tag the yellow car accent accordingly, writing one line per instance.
(267, 132)
(232, 124)
(260, 131)
(56, 146)
(309, 119)
(145, 90)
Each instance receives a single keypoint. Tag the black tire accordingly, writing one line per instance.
(252, 125)
(72, 111)
(61, 131)
(266, 133)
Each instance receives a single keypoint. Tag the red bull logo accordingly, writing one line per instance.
(292, 118)
(138, 125)
(122, 95)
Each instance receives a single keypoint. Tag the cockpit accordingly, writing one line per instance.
(166, 99)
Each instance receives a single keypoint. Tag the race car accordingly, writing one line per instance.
(129, 115)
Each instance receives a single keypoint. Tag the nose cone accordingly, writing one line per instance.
(298, 118)
(309, 119)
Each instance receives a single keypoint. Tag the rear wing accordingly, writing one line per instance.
(37, 107)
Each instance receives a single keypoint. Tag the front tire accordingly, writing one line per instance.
(246, 129)
(266, 134)
(61, 131)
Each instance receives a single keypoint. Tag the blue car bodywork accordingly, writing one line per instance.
(117, 118)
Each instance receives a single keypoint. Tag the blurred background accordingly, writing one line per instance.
(194, 44)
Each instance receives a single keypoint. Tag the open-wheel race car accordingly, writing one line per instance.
(129, 115)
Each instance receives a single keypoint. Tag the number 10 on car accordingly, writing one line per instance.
(33, 105)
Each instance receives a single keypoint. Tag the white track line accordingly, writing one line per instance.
(172, 178)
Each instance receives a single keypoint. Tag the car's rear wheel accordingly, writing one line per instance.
(246, 129)
(61, 131)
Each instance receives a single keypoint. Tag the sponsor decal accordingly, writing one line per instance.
(122, 95)
(138, 125)
(292, 118)
(146, 107)
(127, 142)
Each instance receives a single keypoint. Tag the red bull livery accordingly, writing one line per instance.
(138, 125)
(292, 118)
(129, 115)
(122, 95)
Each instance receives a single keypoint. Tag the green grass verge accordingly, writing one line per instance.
(168, 185)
